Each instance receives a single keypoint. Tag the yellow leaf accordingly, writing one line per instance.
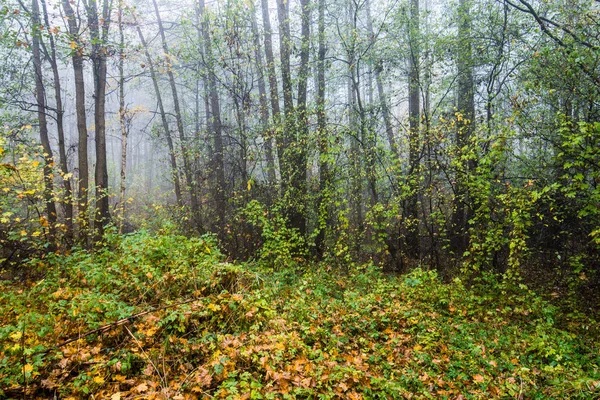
(16, 335)
(214, 307)
(36, 163)
(418, 347)
(73, 45)
(98, 379)
(478, 378)
(23, 233)
(27, 368)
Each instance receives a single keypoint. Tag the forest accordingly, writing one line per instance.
(314, 199)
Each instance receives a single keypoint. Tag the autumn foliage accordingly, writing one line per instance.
(171, 319)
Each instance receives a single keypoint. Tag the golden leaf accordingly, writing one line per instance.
(16, 335)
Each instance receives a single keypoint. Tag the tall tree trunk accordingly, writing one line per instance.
(366, 139)
(286, 79)
(218, 151)
(274, 91)
(322, 138)
(122, 119)
(178, 118)
(466, 108)
(263, 104)
(99, 35)
(299, 160)
(292, 154)
(41, 111)
(62, 153)
(385, 111)
(355, 156)
(163, 115)
(414, 118)
(82, 148)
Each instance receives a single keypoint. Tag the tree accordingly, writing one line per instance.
(414, 120)
(122, 117)
(466, 125)
(191, 184)
(215, 118)
(40, 96)
(163, 115)
(99, 36)
(77, 49)
(291, 143)
(323, 208)
(263, 104)
(62, 153)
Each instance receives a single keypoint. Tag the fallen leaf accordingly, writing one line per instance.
(142, 387)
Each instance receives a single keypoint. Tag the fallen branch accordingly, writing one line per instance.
(120, 322)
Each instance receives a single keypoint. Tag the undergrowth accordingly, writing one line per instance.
(211, 329)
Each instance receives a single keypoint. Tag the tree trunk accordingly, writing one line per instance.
(414, 118)
(323, 140)
(99, 36)
(270, 62)
(182, 137)
(466, 109)
(122, 121)
(62, 153)
(292, 154)
(355, 157)
(286, 79)
(82, 148)
(218, 151)
(299, 160)
(263, 105)
(163, 115)
(385, 111)
(41, 111)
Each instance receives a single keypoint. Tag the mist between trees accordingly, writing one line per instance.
(459, 135)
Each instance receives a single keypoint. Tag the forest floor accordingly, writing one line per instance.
(162, 316)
